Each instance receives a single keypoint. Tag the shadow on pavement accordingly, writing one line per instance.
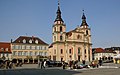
(38, 72)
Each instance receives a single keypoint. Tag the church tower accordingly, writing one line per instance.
(59, 28)
(87, 46)
(58, 34)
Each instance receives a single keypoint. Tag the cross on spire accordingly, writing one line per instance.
(58, 2)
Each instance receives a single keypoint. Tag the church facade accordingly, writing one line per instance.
(73, 45)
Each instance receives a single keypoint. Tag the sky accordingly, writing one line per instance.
(36, 18)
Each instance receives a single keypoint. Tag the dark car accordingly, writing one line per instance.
(53, 63)
(81, 66)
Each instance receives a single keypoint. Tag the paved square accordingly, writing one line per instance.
(29, 69)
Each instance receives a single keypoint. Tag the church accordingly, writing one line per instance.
(73, 45)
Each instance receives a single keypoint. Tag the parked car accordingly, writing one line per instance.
(53, 63)
(82, 66)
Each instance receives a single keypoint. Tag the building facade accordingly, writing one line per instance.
(100, 53)
(117, 56)
(116, 49)
(27, 49)
(5, 51)
(73, 45)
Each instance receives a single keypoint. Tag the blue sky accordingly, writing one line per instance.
(36, 17)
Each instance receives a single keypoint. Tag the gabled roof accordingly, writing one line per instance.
(26, 40)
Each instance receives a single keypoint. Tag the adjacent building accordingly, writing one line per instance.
(73, 45)
(27, 49)
(117, 56)
(116, 49)
(5, 51)
(100, 53)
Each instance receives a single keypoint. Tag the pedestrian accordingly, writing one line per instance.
(38, 63)
(10, 65)
(97, 62)
(13, 65)
(100, 62)
(7, 64)
(63, 65)
(44, 64)
(70, 64)
(83, 62)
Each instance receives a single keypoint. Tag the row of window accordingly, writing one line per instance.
(70, 58)
(4, 49)
(27, 47)
(25, 53)
(6, 55)
(30, 41)
(70, 51)
(60, 29)
(61, 38)
(104, 54)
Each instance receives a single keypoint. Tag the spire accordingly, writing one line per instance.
(58, 18)
(84, 20)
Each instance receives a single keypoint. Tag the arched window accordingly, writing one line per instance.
(70, 51)
(60, 28)
(54, 38)
(55, 29)
(85, 51)
(79, 50)
(61, 51)
(86, 32)
(61, 38)
(78, 36)
(54, 51)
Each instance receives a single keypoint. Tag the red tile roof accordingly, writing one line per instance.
(5, 47)
(100, 50)
(21, 38)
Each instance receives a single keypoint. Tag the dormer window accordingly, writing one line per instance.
(2, 49)
(36, 41)
(24, 41)
(30, 41)
(6, 49)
